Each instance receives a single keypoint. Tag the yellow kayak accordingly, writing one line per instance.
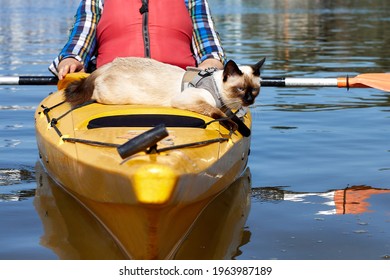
(80, 148)
(139, 163)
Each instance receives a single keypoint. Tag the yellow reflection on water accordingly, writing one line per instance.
(207, 230)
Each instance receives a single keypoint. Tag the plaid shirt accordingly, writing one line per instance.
(82, 40)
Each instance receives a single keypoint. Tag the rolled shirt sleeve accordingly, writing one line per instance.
(82, 41)
(206, 41)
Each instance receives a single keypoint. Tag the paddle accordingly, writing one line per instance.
(379, 81)
(29, 80)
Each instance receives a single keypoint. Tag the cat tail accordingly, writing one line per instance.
(80, 91)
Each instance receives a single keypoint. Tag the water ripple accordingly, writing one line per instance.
(16, 176)
(17, 108)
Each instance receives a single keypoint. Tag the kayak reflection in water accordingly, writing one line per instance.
(72, 232)
(351, 200)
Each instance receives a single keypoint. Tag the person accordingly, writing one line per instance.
(178, 32)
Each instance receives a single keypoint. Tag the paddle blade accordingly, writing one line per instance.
(379, 81)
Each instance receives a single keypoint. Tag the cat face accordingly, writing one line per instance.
(241, 85)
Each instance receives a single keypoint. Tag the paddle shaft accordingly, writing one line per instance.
(29, 80)
(299, 82)
(265, 82)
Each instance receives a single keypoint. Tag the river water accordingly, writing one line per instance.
(319, 163)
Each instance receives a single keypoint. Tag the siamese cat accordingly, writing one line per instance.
(146, 81)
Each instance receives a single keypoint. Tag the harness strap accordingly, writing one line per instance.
(189, 75)
(194, 77)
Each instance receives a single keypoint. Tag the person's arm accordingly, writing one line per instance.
(206, 42)
(80, 48)
(211, 63)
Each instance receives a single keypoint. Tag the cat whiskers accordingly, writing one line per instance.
(231, 104)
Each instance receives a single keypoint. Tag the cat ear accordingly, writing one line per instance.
(256, 68)
(231, 69)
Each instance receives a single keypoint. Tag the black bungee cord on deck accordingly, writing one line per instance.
(54, 121)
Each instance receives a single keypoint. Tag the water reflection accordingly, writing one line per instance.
(17, 195)
(30, 32)
(10, 177)
(351, 200)
(309, 136)
(72, 232)
(16, 176)
(353, 102)
(308, 36)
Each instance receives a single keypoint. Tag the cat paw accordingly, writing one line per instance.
(229, 124)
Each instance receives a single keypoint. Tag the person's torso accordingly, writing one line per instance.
(162, 30)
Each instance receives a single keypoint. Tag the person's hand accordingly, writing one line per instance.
(210, 63)
(69, 65)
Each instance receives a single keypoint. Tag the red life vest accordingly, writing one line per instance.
(163, 33)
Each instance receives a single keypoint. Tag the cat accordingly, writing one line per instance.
(146, 81)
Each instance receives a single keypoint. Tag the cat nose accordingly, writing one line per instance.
(248, 98)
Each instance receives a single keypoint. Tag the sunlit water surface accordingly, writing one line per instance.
(320, 160)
